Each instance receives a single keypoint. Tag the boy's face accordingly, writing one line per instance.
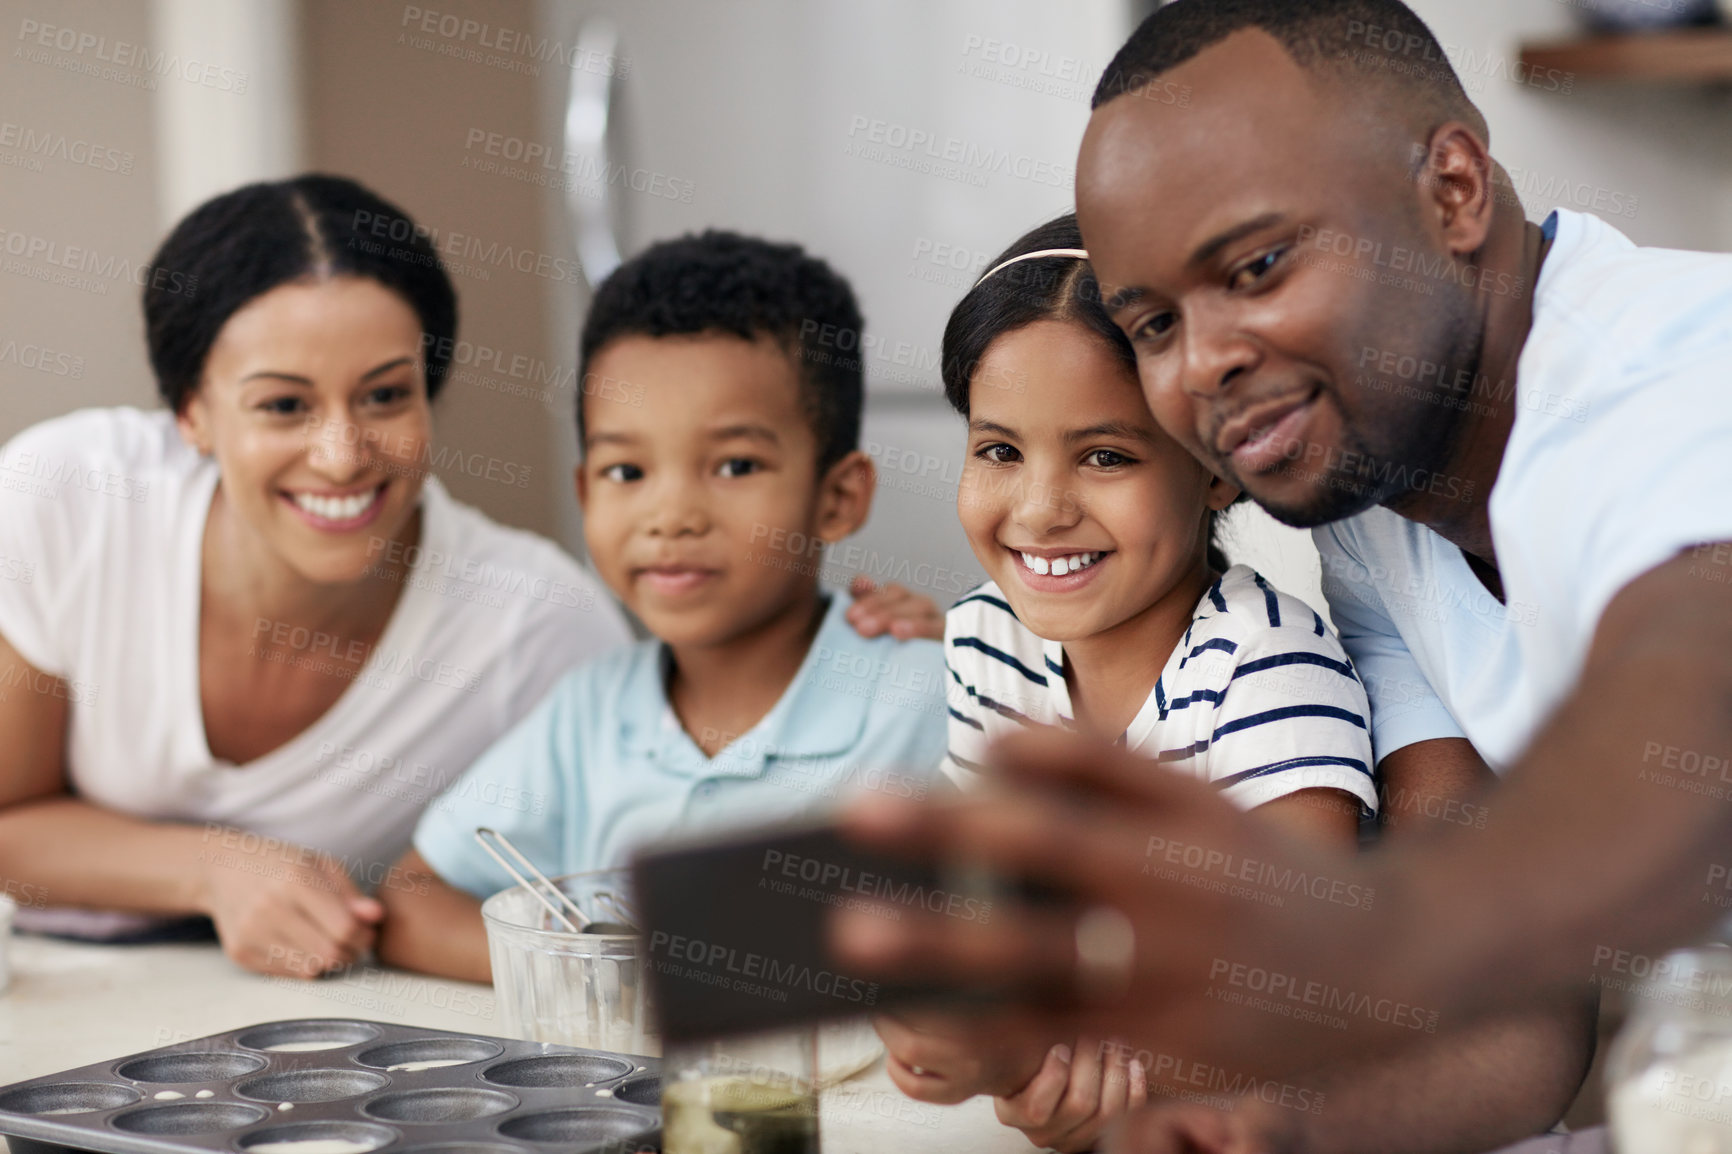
(1075, 467)
(703, 509)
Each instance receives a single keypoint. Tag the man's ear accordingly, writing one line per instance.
(1222, 493)
(1457, 186)
(193, 421)
(845, 496)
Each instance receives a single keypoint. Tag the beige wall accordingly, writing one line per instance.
(397, 116)
(385, 112)
(392, 106)
(91, 328)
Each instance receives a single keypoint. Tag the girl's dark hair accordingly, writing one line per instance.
(1057, 288)
(245, 243)
(1043, 288)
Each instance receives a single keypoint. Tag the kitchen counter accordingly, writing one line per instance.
(72, 1004)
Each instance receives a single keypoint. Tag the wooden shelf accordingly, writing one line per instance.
(1682, 56)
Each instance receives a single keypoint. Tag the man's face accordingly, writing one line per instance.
(1248, 243)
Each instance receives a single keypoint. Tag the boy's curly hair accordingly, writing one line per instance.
(723, 282)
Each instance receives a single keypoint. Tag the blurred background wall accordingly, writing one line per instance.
(824, 121)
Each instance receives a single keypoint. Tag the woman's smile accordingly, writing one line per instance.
(338, 512)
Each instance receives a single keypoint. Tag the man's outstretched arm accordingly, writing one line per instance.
(1606, 836)
(1588, 850)
(1494, 1082)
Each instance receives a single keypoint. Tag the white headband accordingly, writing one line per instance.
(1079, 253)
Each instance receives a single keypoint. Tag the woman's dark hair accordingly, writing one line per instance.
(1042, 288)
(245, 243)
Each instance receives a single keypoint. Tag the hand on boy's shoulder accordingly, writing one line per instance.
(894, 610)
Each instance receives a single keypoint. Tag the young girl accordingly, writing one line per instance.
(1109, 609)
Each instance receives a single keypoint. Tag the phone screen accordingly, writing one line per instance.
(737, 931)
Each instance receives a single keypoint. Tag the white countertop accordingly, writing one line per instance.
(72, 1004)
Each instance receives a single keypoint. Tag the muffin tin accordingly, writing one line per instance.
(369, 1086)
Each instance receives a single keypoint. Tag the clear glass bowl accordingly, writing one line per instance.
(556, 986)
(1669, 1073)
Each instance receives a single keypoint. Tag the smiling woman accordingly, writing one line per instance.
(258, 638)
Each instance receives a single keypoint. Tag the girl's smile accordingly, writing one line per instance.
(1080, 508)
(1059, 570)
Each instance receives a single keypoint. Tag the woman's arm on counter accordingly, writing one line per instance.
(277, 908)
(33, 716)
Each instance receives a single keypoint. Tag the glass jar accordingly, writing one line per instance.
(1669, 1073)
(756, 1095)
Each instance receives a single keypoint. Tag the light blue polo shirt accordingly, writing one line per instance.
(602, 767)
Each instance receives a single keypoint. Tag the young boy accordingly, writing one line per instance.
(719, 459)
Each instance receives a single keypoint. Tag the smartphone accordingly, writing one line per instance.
(737, 929)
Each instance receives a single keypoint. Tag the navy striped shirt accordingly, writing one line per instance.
(1258, 697)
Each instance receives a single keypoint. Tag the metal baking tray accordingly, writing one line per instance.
(369, 1086)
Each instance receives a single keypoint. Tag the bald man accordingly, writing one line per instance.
(1515, 443)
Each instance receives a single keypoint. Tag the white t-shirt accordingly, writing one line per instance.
(1257, 697)
(102, 517)
(1620, 459)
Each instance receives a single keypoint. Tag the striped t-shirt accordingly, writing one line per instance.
(1258, 697)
